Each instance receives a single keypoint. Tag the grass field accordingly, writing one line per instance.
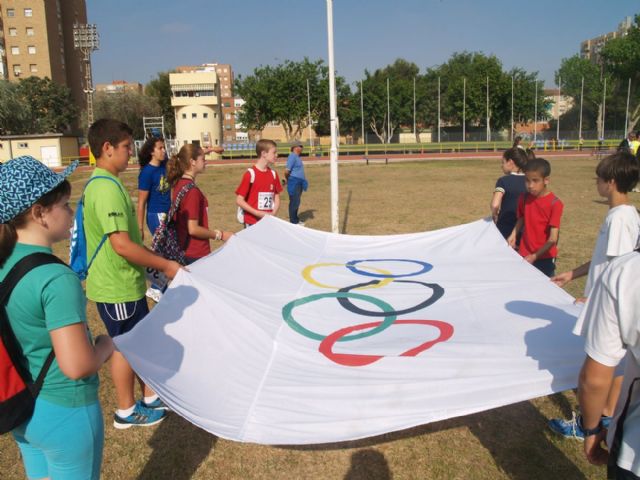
(510, 442)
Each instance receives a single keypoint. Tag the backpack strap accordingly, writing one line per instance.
(176, 203)
(104, 237)
(17, 272)
(252, 178)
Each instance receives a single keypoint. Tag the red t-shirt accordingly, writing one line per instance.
(540, 214)
(194, 206)
(261, 194)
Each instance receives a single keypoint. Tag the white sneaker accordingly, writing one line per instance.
(154, 294)
(301, 224)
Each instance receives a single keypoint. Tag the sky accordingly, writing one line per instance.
(140, 38)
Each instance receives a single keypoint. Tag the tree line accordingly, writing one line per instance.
(383, 99)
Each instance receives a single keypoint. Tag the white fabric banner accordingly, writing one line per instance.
(288, 335)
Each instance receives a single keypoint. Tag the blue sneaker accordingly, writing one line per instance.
(570, 428)
(141, 417)
(157, 404)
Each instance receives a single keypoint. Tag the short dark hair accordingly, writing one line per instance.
(622, 167)
(539, 165)
(517, 155)
(107, 130)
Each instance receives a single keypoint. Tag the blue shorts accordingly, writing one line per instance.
(153, 221)
(62, 442)
(119, 318)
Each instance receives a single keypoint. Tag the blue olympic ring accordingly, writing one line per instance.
(351, 266)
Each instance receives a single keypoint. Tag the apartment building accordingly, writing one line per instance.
(120, 86)
(590, 49)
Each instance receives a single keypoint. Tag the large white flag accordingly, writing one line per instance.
(288, 335)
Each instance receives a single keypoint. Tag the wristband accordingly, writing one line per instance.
(589, 431)
(218, 235)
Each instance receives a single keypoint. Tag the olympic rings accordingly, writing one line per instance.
(425, 267)
(288, 317)
(306, 274)
(359, 360)
(438, 292)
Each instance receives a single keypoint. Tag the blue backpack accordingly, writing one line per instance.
(78, 245)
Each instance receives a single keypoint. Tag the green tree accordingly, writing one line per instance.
(35, 105)
(160, 89)
(622, 60)
(128, 107)
(279, 94)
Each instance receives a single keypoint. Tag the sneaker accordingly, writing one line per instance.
(157, 404)
(154, 294)
(301, 224)
(570, 428)
(141, 417)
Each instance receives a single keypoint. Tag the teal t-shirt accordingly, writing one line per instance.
(47, 298)
(108, 209)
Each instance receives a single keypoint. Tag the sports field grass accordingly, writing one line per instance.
(510, 442)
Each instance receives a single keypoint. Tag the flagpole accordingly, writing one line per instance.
(626, 117)
(512, 129)
(309, 114)
(414, 106)
(333, 120)
(604, 105)
(488, 127)
(535, 114)
(438, 109)
(558, 123)
(362, 113)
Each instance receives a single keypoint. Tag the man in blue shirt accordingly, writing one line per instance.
(296, 181)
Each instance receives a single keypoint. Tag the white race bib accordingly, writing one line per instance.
(265, 200)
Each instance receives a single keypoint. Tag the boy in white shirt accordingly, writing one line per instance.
(617, 174)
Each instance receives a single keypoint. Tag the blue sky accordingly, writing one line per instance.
(140, 38)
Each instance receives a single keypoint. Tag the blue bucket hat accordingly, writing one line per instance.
(23, 180)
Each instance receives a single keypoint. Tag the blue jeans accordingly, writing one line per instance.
(294, 204)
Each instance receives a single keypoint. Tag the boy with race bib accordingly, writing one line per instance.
(259, 191)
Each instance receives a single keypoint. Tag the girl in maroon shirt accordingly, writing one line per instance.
(192, 219)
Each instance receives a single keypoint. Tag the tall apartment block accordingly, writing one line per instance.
(36, 39)
(590, 49)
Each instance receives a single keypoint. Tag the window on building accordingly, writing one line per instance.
(15, 50)
(13, 32)
(33, 68)
(227, 104)
(215, 115)
(30, 32)
(23, 145)
(184, 116)
(17, 70)
(205, 115)
(194, 115)
(227, 127)
(227, 116)
(31, 49)
(28, 12)
(11, 12)
(225, 70)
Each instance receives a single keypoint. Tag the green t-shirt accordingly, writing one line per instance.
(47, 298)
(108, 209)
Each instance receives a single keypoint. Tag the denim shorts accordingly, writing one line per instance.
(119, 318)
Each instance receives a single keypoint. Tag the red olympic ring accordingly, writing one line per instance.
(359, 360)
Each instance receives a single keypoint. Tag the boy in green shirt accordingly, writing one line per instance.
(116, 280)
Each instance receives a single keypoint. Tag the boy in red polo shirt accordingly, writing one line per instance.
(259, 191)
(539, 212)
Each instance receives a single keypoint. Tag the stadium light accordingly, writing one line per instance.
(85, 39)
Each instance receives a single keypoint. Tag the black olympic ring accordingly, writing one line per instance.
(438, 292)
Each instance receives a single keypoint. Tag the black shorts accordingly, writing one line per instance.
(119, 318)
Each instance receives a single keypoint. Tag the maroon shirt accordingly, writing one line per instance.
(194, 206)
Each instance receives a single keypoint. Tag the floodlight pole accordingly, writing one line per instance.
(309, 115)
(333, 121)
(626, 117)
(85, 39)
(581, 98)
(558, 123)
(438, 109)
(512, 127)
(535, 114)
(488, 127)
(464, 109)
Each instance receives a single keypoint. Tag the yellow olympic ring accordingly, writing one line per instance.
(306, 274)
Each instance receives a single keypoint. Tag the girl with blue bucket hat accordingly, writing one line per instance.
(64, 437)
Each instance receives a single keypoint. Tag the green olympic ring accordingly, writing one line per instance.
(385, 307)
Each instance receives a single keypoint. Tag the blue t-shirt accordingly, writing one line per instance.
(512, 186)
(295, 166)
(154, 180)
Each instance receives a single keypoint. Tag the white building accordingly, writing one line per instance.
(195, 97)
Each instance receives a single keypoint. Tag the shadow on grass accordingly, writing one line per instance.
(368, 464)
(306, 215)
(346, 212)
(178, 450)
